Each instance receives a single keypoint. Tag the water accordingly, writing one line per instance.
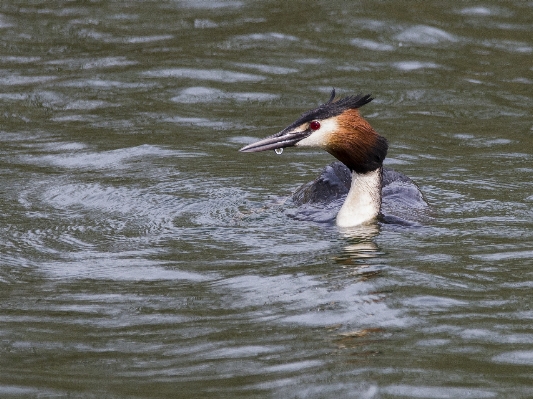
(143, 256)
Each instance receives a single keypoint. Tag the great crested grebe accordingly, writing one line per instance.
(338, 128)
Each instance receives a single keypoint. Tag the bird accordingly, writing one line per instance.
(358, 177)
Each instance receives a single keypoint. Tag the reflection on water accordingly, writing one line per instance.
(143, 256)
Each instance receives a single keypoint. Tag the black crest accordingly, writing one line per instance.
(332, 108)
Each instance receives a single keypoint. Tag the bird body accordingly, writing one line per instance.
(338, 128)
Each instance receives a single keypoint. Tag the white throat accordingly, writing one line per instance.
(363, 202)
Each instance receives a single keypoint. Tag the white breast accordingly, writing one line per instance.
(363, 202)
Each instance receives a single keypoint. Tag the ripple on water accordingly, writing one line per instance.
(100, 160)
(17, 80)
(96, 196)
(147, 39)
(272, 69)
(93, 63)
(131, 220)
(89, 105)
(4, 23)
(45, 98)
(510, 46)
(273, 40)
(503, 256)
(479, 11)
(209, 4)
(75, 118)
(414, 65)
(442, 392)
(14, 96)
(486, 11)
(19, 59)
(310, 61)
(202, 122)
(272, 36)
(218, 75)
(21, 391)
(243, 351)
(371, 45)
(127, 266)
(122, 211)
(204, 23)
(473, 141)
(303, 299)
(434, 303)
(58, 146)
(515, 357)
(103, 84)
(425, 35)
(206, 94)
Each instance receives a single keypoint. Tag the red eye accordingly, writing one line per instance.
(314, 125)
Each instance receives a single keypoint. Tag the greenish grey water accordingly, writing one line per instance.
(143, 256)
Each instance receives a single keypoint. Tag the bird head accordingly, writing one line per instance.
(336, 127)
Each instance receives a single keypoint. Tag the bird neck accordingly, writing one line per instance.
(363, 202)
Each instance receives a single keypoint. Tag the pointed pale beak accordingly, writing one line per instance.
(285, 138)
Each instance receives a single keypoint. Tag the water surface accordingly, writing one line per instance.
(143, 256)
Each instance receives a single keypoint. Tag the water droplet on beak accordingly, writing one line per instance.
(278, 151)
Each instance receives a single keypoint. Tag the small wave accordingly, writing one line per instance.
(479, 11)
(371, 45)
(94, 63)
(89, 104)
(19, 59)
(206, 94)
(218, 75)
(209, 4)
(117, 268)
(272, 36)
(414, 65)
(205, 23)
(203, 122)
(423, 34)
(275, 70)
(510, 46)
(523, 357)
(411, 391)
(102, 84)
(147, 39)
(17, 80)
(4, 23)
(98, 160)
